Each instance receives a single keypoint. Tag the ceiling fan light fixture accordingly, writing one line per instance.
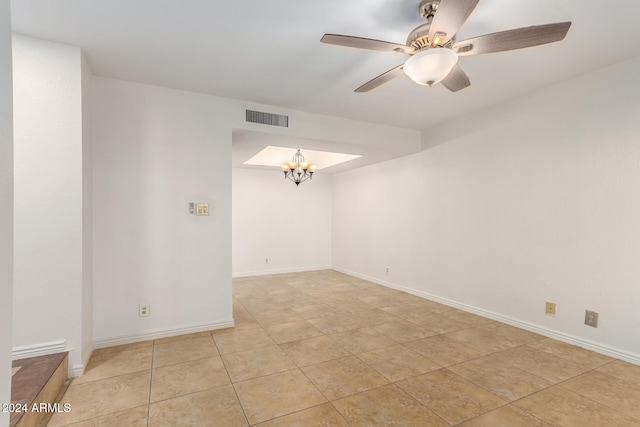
(430, 66)
(437, 39)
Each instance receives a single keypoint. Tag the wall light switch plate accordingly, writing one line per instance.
(202, 209)
(591, 319)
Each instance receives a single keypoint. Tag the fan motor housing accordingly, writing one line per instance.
(419, 38)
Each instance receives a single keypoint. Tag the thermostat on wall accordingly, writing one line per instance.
(199, 209)
(202, 209)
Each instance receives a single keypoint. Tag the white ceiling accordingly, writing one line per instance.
(268, 52)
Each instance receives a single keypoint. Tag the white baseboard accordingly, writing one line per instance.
(41, 349)
(278, 271)
(53, 347)
(78, 369)
(560, 336)
(164, 333)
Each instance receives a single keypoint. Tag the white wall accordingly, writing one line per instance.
(48, 219)
(6, 207)
(274, 219)
(87, 216)
(532, 201)
(154, 151)
(337, 129)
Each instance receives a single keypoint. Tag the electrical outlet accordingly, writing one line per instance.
(591, 319)
(266, 260)
(550, 308)
(144, 310)
(387, 271)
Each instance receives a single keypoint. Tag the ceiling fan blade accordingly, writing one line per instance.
(456, 79)
(381, 79)
(513, 39)
(367, 44)
(449, 17)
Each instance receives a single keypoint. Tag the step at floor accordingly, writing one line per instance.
(36, 383)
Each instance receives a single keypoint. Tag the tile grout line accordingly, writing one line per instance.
(560, 384)
(153, 356)
(235, 392)
(525, 346)
(329, 401)
(413, 351)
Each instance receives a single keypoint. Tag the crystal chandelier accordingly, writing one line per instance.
(298, 170)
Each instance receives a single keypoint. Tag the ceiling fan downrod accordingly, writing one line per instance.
(427, 9)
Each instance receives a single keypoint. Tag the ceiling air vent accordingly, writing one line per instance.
(267, 118)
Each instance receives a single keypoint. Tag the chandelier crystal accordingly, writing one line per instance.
(298, 170)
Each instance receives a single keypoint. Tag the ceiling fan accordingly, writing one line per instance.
(433, 50)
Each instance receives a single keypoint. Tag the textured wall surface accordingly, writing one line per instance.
(87, 215)
(274, 219)
(6, 207)
(154, 151)
(48, 246)
(531, 201)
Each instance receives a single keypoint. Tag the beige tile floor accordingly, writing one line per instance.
(326, 349)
